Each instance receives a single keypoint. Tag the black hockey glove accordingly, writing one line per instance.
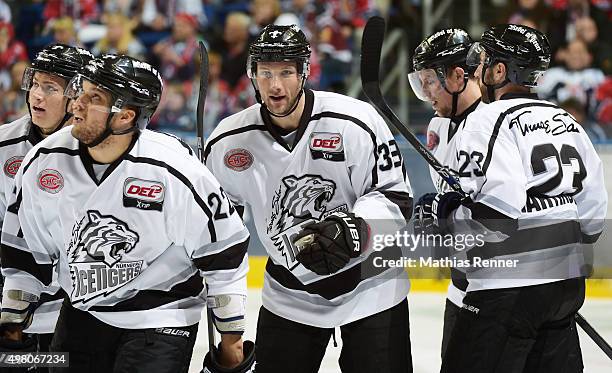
(432, 211)
(327, 246)
(247, 365)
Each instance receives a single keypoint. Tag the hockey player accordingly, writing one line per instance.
(44, 82)
(134, 222)
(442, 77)
(324, 168)
(534, 178)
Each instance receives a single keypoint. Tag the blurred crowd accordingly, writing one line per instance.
(166, 33)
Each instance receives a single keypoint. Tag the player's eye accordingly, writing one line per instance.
(287, 73)
(264, 74)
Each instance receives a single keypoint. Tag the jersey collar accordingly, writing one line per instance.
(511, 95)
(277, 133)
(88, 161)
(452, 129)
(34, 135)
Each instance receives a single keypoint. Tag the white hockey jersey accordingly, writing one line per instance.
(442, 135)
(132, 247)
(16, 139)
(342, 158)
(529, 160)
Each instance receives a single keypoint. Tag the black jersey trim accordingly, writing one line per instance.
(363, 126)
(339, 284)
(459, 119)
(531, 239)
(149, 299)
(491, 218)
(180, 141)
(71, 152)
(237, 131)
(402, 200)
(13, 141)
(174, 172)
(14, 207)
(25, 261)
(230, 258)
(498, 124)
(46, 297)
(88, 161)
(590, 238)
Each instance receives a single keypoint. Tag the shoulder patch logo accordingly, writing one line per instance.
(326, 145)
(432, 140)
(238, 159)
(11, 166)
(50, 180)
(143, 194)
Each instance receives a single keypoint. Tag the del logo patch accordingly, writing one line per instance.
(238, 159)
(143, 194)
(433, 140)
(50, 180)
(11, 166)
(326, 145)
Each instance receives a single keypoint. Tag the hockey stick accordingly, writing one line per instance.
(371, 48)
(596, 337)
(200, 144)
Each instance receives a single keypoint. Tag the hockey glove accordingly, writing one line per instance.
(432, 211)
(247, 365)
(327, 246)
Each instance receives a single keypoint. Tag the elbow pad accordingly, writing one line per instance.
(17, 307)
(228, 312)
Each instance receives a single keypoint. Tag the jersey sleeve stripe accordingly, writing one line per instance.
(363, 126)
(184, 180)
(252, 127)
(15, 241)
(229, 258)
(531, 239)
(401, 199)
(24, 261)
(150, 299)
(498, 124)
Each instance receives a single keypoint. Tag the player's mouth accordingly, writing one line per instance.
(277, 99)
(38, 110)
(77, 119)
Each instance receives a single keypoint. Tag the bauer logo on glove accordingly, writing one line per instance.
(327, 246)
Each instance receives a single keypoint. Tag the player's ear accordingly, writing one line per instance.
(499, 72)
(125, 116)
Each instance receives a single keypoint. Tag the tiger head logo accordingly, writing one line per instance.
(307, 196)
(106, 238)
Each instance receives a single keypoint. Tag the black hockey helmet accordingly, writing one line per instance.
(57, 59)
(444, 49)
(280, 43)
(525, 52)
(434, 56)
(131, 82)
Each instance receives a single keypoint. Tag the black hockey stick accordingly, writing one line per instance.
(596, 337)
(200, 139)
(371, 48)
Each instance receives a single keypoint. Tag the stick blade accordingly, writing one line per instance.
(371, 48)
